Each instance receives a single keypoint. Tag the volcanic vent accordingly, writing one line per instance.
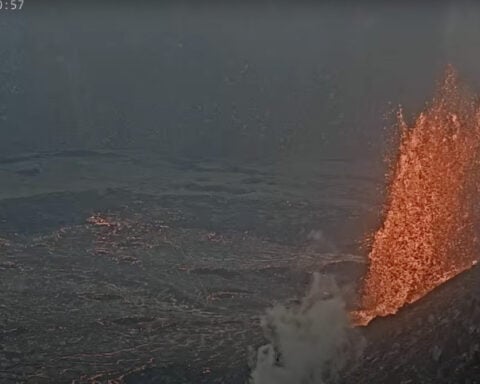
(429, 232)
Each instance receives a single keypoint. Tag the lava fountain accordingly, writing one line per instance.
(429, 232)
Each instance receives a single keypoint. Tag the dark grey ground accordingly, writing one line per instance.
(113, 263)
(436, 340)
(129, 267)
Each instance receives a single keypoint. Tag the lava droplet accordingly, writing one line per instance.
(428, 233)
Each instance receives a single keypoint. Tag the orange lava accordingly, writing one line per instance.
(428, 234)
(101, 221)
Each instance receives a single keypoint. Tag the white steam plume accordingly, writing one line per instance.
(309, 343)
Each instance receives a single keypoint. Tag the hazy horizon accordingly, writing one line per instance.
(251, 81)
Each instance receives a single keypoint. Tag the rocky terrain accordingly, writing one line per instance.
(121, 268)
(435, 340)
(159, 273)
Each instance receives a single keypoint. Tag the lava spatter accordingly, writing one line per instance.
(428, 233)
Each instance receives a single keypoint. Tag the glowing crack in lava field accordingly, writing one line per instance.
(428, 231)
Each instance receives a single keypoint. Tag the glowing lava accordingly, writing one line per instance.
(428, 234)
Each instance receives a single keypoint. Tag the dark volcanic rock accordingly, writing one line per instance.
(435, 340)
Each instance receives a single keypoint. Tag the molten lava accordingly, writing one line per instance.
(428, 234)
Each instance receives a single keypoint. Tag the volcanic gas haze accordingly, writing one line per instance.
(428, 233)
